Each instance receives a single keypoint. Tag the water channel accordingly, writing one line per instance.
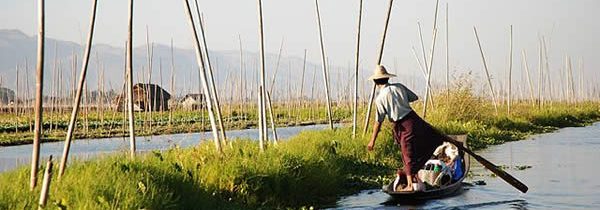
(564, 174)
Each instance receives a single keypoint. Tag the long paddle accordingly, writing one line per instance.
(490, 166)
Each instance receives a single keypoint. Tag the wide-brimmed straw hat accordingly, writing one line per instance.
(380, 73)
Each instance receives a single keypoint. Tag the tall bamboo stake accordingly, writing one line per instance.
(582, 93)
(426, 67)
(421, 67)
(172, 80)
(510, 65)
(528, 77)
(379, 57)
(203, 77)
(149, 95)
(302, 80)
(428, 91)
(213, 88)
(45, 184)
(261, 122)
(39, 87)
(273, 128)
(76, 103)
(540, 77)
(324, 67)
(242, 83)
(130, 82)
(486, 71)
(356, 67)
(52, 95)
(263, 127)
(547, 65)
(276, 66)
(570, 81)
(16, 100)
(428, 82)
(447, 60)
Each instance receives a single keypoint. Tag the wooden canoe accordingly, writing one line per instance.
(445, 191)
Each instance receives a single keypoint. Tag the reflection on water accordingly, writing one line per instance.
(564, 174)
(13, 156)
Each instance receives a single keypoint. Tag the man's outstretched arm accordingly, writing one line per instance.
(376, 128)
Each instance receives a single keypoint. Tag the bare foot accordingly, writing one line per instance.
(408, 188)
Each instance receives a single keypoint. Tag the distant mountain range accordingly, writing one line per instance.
(16, 48)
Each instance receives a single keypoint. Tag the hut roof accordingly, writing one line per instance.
(154, 90)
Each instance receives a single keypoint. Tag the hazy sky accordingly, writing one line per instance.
(570, 26)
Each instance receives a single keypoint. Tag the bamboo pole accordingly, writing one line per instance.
(123, 98)
(149, 94)
(547, 65)
(301, 96)
(203, 77)
(130, 82)
(39, 85)
(582, 96)
(428, 82)
(46, 184)
(215, 95)
(540, 77)
(16, 99)
(261, 123)
(276, 66)
(172, 82)
(77, 102)
(510, 65)
(428, 91)
(263, 127)
(273, 128)
(528, 77)
(421, 67)
(447, 59)
(379, 57)
(52, 95)
(162, 93)
(324, 67)
(486, 71)
(426, 67)
(570, 86)
(356, 68)
(27, 108)
(242, 83)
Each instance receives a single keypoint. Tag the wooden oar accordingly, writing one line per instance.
(490, 166)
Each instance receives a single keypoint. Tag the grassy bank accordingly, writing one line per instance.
(310, 169)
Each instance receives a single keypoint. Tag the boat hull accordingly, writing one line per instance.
(446, 191)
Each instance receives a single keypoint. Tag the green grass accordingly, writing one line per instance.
(311, 169)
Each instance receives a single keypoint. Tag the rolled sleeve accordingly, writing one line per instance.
(411, 95)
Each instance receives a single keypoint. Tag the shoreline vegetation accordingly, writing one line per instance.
(107, 123)
(311, 169)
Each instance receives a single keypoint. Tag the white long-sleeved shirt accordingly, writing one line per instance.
(393, 101)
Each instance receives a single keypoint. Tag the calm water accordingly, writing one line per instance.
(13, 156)
(564, 174)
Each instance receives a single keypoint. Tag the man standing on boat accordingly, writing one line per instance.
(417, 138)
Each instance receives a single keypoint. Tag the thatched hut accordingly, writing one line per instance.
(193, 101)
(146, 97)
